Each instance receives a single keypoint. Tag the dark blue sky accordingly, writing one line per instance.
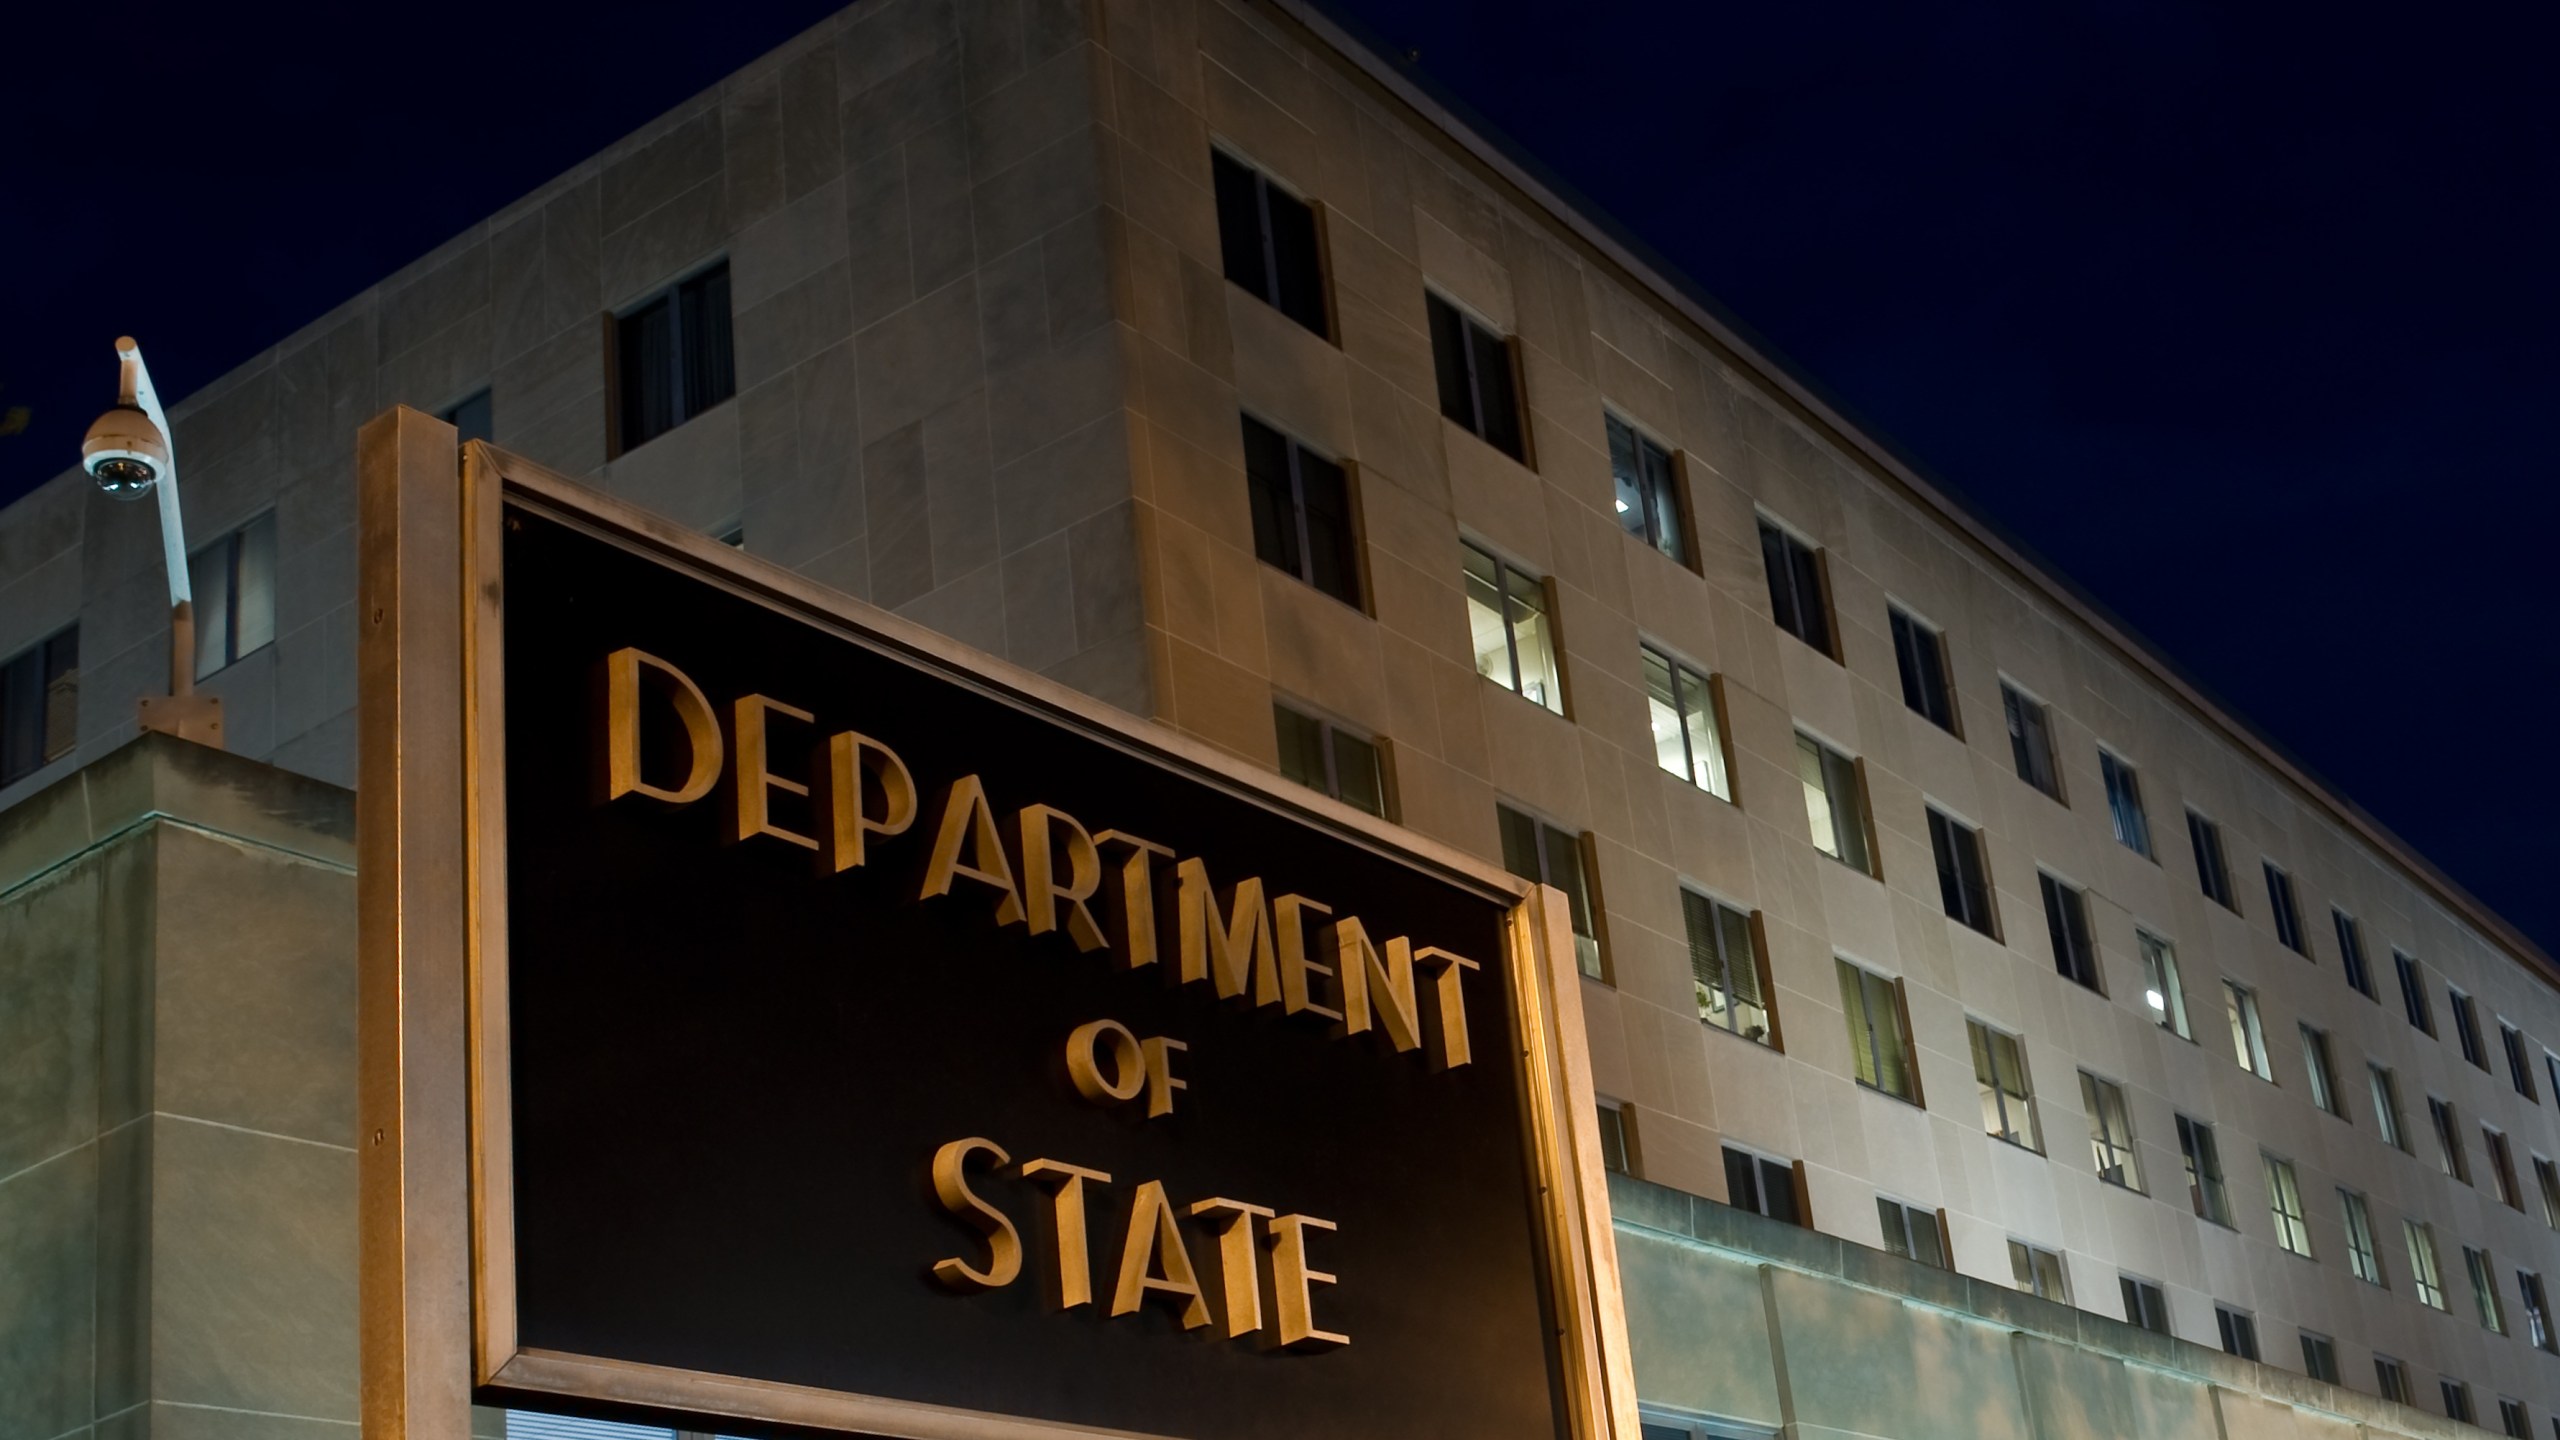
(2243, 315)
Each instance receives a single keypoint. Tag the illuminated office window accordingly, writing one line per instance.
(2424, 1277)
(1725, 968)
(1648, 490)
(2362, 1256)
(2111, 1145)
(1879, 1036)
(2284, 1206)
(2000, 1081)
(1835, 803)
(2161, 990)
(1507, 618)
(1680, 705)
(2248, 1041)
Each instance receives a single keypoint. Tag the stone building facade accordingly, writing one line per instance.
(990, 368)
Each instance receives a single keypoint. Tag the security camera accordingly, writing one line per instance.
(125, 451)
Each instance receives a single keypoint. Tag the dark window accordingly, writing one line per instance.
(2502, 1169)
(234, 580)
(1478, 388)
(2039, 1272)
(1534, 850)
(472, 419)
(2288, 919)
(2519, 1073)
(2451, 1156)
(2351, 953)
(2124, 804)
(1964, 883)
(2537, 1311)
(1267, 238)
(2144, 1304)
(2386, 1107)
(1302, 521)
(2391, 1378)
(2031, 739)
(1761, 1185)
(2204, 1171)
(2324, 1076)
(1879, 1035)
(2239, 1332)
(2546, 1183)
(1795, 586)
(2511, 1419)
(39, 705)
(2211, 873)
(2110, 1132)
(1835, 803)
(2457, 1400)
(1920, 653)
(2319, 1357)
(672, 355)
(1648, 491)
(1681, 707)
(2466, 1028)
(1910, 1232)
(2066, 922)
(2485, 1299)
(1323, 756)
(1724, 966)
(1616, 1155)
(2413, 993)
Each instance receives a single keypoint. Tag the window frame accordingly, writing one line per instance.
(1326, 326)
(1913, 635)
(1945, 829)
(1835, 767)
(1984, 1039)
(1329, 733)
(683, 406)
(1474, 332)
(2019, 705)
(2094, 1093)
(2069, 932)
(2026, 1270)
(2248, 1031)
(2238, 1330)
(1585, 853)
(1874, 1057)
(2319, 1356)
(2452, 1156)
(2413, 992)
(2351, 957)
(2144, 1299)
(1652, 527)
(2160, 977)
(1355, 540)
(2285, 909)
(1915, 1220)
(2208, 1193)
(1814, 570)
(2383, 1084)
(2121, 779)
(2546, 1182)
(2284, 1183)
(1710, 687)
(1762, 1164)
(1616, 1122)
(2519, 1070)
(50, 667)
(2426, 1270)
(2488, 1305)
(2204, 837)
(1756, 936)
(2364, 1250)
(2391, 1378)
(1504, 570)
(2502, 1168)
(2534, 1298)
(2323, 1074)
(218, 621)
(2466, 1028)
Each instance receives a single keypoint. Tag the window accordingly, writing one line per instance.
(2511, 1419)
(1920, 653)
(2319, 1357)
(2466, 1028)
(672, 357)
(2362, 1257)
(2386, 1107)
(2391, 1378)
(2248, 1042)
(2450, 1155)
(2502, 1169)
(2031, 739)
(1648, 490)
(472, 418)
(2288, 919)
(2000, 1078)
(1323, 756)
(234, 580)
(1910, 1232)
(2537, 1311)
(2211, 873)
(1688, 739)
(2204, 1171)
(1302, 514)
(2519, 1073)
(2066, 923)
(1761, 1185)
(2324, 1079)
(2413, 993)
(1507, 613)
(1664, 1425)
(2144, 1304)
(1796, 589)
(1479, 383)
(2351, 953)
(1879, 1035)
(2457, 1399)
(39, 705)
(1835, 802)
(2546, 1180)
(1964, 884)
(2284, 1205)
(1535, 850)
(2160, 988)
(1724, 964)
(2124, 804)
(1617, 1144)
(2484, 1290)
(2239, 1332)
(2423, 1275)
(2111, 1146)
(2039, 1272)
(1267, 238)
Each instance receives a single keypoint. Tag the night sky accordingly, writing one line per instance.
(2244, 316)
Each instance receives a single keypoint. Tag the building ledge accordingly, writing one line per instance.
(160, 777)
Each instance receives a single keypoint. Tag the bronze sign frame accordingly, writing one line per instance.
(437, 1241)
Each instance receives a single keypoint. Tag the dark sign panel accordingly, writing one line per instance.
(877, 1031)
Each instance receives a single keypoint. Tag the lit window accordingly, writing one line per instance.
(2204, 1171)
(2351, 953)
(1302, 513)
(1507, 615)
(1479, 385)
(1920, 653)
(2362, 1257)
(1796, 597)
(234, 580)
(2288, 919)
(1835, 803)
(672, 356)
(2451, 1157)
(2206, 839)
(2284, 1204)
(1762, 1185)
(2066, 923)
(1725, 966)
(2484, 1290)
(2423, 1275)
(2160, 988)
(1648, 497)
(2000, 1079)
(1910, 1232)
(2111, 1144)
(2413, 993)
(1879, 1037)
(2537, 1311)
(2239, 1331)
(1964, 882)
(2319, 1357)
(2039, 1272)
(2248, 1042)
(2124, 803)
(2031, 739)
(2144, 1304)
(1325, 757)
(1535, 850)
(1267, 239)
(2386, 1106)
(39, 705)
(2324, 1080)
(1687, 740)
(1617, 1150)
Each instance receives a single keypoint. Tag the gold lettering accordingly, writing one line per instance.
(1161, 1082)
(1227, 953)
(1041, 888)
(1128, 1066)
(1290, 916)
(1135, 903)
(1291, 1280)
(1066, 1206)
(1004, 1243)
(1239, 1276)
(1154, 1244)
(622, 730)
(850, 757)
(1363, 980)
(1452, 1028)
(967, 821)
(754, 776)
